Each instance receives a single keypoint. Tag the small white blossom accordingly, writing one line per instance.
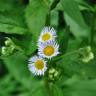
(47, 34)
(48, 49)
(37, 65)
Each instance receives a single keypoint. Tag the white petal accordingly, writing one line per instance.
(33, 69)
(48, 30)
(41, 47)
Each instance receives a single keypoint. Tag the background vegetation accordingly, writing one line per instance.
(21, 22)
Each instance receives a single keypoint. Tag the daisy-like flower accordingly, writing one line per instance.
(47, 34)
(37, 65)
(48, 49)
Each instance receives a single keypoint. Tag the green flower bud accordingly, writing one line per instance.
(8, 42)
(87, 55)
(9, 47)
(51, 77)
(53, 74)
(88, 49)
(6, 51)
(56, 74)
(3, 50)
(51, 71)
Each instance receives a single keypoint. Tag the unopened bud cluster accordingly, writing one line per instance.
(53, 74)
(87, 55)
(9, 47)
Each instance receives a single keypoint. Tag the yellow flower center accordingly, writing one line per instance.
(39, 64)
(48, 50)
(46, 37)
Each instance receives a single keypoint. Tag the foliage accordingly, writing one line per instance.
(21, 21)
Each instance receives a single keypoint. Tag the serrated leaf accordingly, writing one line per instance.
(35, 14)
(74, 18)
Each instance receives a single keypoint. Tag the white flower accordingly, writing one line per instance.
(48, 49)
(47, 34)
(37, 65)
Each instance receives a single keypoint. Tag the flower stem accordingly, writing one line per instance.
(70, 53)
(54, 4)
(47, 86)
(93, 28)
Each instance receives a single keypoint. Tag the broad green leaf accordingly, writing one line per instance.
(9, 5)
(74, 18)
(41, 91)
(72, 10)
(38, 92)
(76, 29)
(7, 85)
(35, 14)
(73, 45)
(54, 18)
(72, 64)
(12, 29)
(17, 65)
(6, 6)
(11, 17)
(26, 40)
(63, 39)
(57, 91)
(81, 88)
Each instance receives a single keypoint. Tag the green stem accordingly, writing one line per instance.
(47, 86)
(54, 4)
(70, 53)
(93, 29)
(47, 23)
(18, 48)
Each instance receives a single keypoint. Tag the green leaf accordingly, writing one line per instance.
(26, 40)
(12, 29)
(11, 17)
(81, 88)
(72, 64)
(54, 18)
(73, 45)
(63, 38)
(35, 14)
(57, 91)
(8, 85)
(17, 66)
(6, 6)
(74, 18)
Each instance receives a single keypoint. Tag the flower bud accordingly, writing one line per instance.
(87, 55)
(53, 74)
(3, 50)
